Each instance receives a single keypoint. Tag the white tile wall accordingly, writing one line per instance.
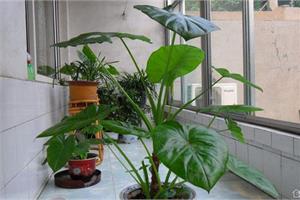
(283, 142)
(297, 147)
(276, 154)
(27, 108)
(290, 176)
(262, 136)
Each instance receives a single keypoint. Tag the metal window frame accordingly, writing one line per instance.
(248, 70)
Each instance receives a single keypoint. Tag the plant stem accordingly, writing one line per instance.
(135, 171)
(192, 100)
(152, 162)
(151, 100)
(210, 123)
(160, 112)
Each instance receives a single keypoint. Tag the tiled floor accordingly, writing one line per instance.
(114, 179)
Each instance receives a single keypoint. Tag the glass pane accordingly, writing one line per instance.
(44, 37)
(227, 50)
(193, 81)
(277, 60)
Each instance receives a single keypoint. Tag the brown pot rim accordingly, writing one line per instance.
(83, 83)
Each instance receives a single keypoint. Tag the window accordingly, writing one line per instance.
(227, 50)
(42, 32)
(277, 60)
(193, 81)
(259, 39)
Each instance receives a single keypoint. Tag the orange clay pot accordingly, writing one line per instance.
(83, 90)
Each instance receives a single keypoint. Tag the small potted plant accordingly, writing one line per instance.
(86, 74)
(69, 142)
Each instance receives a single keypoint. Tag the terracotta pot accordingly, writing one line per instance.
(83, 90)
(135, 192)
(83, 169)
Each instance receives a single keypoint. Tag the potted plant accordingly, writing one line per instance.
(192, 153)
(86, 74)
(132, 84)
(69, 142)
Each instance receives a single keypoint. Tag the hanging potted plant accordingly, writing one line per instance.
(192, 153)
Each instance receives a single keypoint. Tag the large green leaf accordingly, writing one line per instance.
(99, 37)
(251, 175)
(219, 109)
(123, 128)
(78, 121)
(227, 74)
(194, 153)
(171, 62)
(188, 27)
(60, 151)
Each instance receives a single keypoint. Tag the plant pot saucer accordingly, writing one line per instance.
(64, 180)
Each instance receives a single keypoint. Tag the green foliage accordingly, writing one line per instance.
(188, 27)
(99, 37)
(124, 128)
(89, 67)
(170, 62)
(79, 121)
(194, 153)
(225, 73)
(46, 71)
(133, 85)
(70, 138)
(226, 109)
(60, 150)
(251, 175)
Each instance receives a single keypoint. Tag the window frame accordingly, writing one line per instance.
(248, 70)
(31, 39)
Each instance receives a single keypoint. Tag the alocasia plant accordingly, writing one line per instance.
(192, 153)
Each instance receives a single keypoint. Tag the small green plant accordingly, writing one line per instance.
(192, 153)
(133, 85)
(89, 67)
(71, 138)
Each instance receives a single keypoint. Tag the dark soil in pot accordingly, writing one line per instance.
(135, 192)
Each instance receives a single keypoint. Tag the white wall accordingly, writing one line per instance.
(276, 154)
(26, 109)
(106, 16)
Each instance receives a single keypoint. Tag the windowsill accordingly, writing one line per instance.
(285, 142)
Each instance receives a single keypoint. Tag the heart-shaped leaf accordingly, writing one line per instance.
(60, 151)
(194, 153)
(251, 175)
(171, 62)
(188, 27)
(99, 37)
(227, 74)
